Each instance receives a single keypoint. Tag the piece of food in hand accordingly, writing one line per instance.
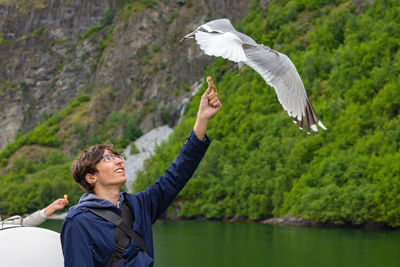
(211, 83)
(213, 93)
(210, 80)
(66, 196)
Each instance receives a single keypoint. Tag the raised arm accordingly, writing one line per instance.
(209, 106)
(40, 216)
(159, 196)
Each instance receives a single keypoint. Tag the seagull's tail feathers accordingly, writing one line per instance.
(322, 126)
(309, 119)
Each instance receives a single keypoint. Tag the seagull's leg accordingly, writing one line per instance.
(241, 65)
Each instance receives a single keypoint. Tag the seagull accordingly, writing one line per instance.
(220, 39)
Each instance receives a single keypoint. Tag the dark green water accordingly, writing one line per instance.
(207, 243)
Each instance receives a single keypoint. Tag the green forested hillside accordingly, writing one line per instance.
(30, 186)
(260, 164)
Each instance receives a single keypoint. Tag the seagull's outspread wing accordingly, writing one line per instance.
(219, 38)
(279, 72)
(214, 44)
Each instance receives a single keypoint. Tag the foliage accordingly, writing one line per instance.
(43, 134)
(55, 133)
(2, 41)
(108, 16)
(260, 165)
(133, 150)
(173, 17)
(164, 114)
(25, 6)
(30, 186)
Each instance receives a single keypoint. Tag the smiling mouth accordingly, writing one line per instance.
(119, 170)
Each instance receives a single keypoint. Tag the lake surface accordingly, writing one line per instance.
(210, 243)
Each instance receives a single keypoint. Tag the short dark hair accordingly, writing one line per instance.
(86, 163)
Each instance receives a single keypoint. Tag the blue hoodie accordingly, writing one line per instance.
(88, 240)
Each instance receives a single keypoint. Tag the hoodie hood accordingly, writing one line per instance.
(90, 200)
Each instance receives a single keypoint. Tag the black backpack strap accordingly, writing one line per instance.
(122, 241)
(110, 216)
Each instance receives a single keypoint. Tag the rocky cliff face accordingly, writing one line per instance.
(125, 55)
(39, 74)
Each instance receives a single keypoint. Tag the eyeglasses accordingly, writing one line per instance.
(110, 157)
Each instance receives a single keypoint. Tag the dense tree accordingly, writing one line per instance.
(260, 165)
